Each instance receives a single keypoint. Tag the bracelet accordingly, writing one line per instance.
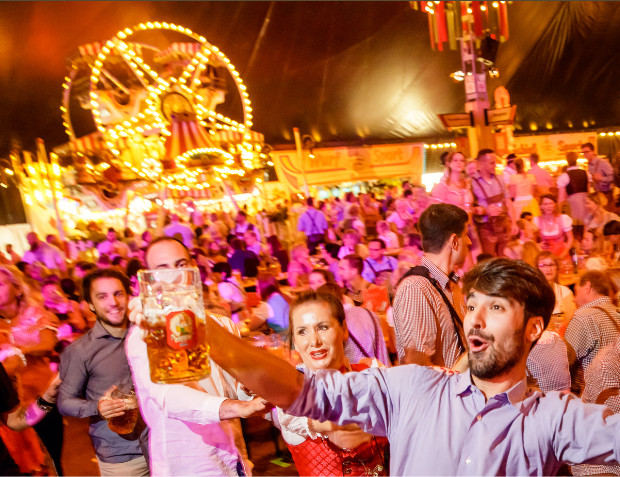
(34, 413)
(44, 405)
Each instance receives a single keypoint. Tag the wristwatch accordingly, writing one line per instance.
(44, 405)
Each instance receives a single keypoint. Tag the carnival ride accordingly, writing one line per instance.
(157, 111)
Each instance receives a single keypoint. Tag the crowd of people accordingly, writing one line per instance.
(368, 284)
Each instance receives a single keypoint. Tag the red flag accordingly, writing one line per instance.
(440, 17)
(430, 30)
(475, 6)
(503, 21)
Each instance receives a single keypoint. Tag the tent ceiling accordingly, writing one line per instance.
(340, 71)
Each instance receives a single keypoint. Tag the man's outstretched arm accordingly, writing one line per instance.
(264, 374)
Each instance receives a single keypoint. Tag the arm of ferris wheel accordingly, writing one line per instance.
(137, 61)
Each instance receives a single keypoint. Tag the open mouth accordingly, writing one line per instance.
(319, 354)
(477, 344)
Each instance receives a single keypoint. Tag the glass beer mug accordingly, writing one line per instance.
(174, 320)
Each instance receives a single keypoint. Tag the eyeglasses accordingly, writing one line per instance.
(374, 249)
(547, 265)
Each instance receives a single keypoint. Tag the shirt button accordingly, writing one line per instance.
(479, 417)
(468, 461)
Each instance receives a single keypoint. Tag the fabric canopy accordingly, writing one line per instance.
(354, 72)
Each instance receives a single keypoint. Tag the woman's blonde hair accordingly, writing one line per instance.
(26, 295)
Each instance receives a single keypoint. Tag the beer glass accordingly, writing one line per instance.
(174, 320)
(125, 424)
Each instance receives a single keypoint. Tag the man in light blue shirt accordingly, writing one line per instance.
(378, 265)
(314, 224)
(482, 422)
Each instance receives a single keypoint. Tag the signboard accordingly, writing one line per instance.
(500, 116)
(334, 166)
(552, 147)
(457, 120)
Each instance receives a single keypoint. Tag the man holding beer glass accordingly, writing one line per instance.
(94, 370)
(193, 426)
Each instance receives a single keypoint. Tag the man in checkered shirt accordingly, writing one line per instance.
(602, 387)
(596, 324)
(425, 332)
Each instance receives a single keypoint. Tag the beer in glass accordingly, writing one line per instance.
(175, 324)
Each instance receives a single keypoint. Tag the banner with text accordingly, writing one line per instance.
(552, 147)
(333, 166)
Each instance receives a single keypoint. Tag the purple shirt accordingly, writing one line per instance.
(441, 425)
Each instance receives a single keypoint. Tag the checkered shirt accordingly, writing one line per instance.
(602, 387)
(424, 330)
(589, 331)
(547, 364)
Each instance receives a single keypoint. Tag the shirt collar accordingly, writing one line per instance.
(99, 331)
(604, 300)
(439, 275)
(515, 395)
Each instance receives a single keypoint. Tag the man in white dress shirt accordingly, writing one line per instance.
(194, 428)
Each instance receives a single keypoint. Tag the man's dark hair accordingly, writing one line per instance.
(90, 278)
(21, 266)
(571, 158)
(333, 304)
(510, 157)
(236, 244)
(111, 229)
(104, 259)
(222, 267)
(310, 201)
(534, 158)
(589, 145)
(407, 193)
(598, 280)
(117, 260)
(414, 240)
(379, 241)
(483, 257)
(611, 228)
(133, 267)
(484, 152)
(443, 157)
(86, 266)
(525, 215)
(515, 280)
(355, 261)
(438, 222)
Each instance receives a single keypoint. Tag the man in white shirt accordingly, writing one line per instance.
(175, 227)
(573, 187)
(193, 427)
(544, 181)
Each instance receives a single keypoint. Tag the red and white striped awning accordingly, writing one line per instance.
(91, 49)
(226, 135)
(186, 135)
(90, 142)
(178, 51)
(93, 142)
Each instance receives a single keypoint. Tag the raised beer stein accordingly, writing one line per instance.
(174, 320)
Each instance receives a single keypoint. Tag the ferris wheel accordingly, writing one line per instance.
(158, 95)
